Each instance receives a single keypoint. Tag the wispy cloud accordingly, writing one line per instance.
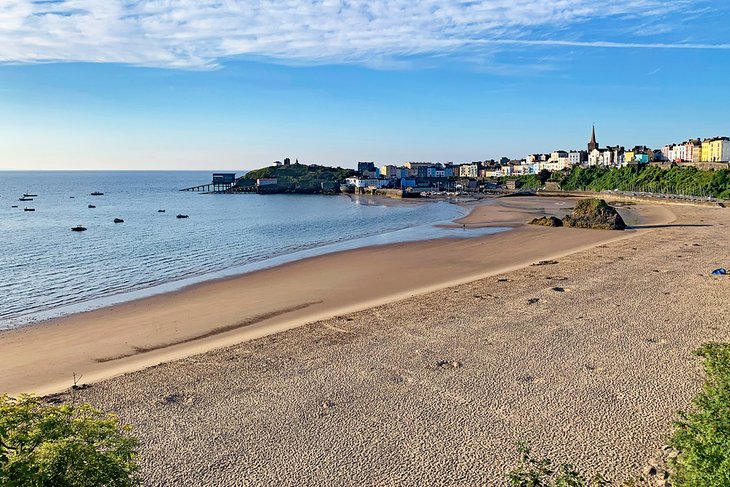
(617, 45)
(197, 34)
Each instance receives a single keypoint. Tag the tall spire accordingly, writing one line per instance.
(593, 144)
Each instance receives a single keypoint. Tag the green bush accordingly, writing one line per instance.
(63, 445)
(534, 472)
(703, 435)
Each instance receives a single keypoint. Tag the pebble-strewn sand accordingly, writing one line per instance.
(593, 372)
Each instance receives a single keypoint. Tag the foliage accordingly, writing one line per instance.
(543, 176)
(543, 473)
(676, 180)
(303, 174)
(63, 445)
(530, 181)
(703, 435)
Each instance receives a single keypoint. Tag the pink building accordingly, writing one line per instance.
(692, 150)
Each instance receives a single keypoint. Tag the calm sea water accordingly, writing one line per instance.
(46, 270)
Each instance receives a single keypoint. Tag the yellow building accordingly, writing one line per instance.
(629, 156)
(716, 149)
(705, 153)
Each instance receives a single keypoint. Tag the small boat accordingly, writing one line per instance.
(28, 209)
(97, 193)
(25, 199)
(14, 206)
(92, 206)
(78, 228)
(160, 211)
(118, 220)
(182, 216)
(72, 197)
(28, 195)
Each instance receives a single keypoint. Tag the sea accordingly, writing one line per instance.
(48, 271)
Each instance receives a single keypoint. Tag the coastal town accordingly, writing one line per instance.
(708, 153)
(414, 179)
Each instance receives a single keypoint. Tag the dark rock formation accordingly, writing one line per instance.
(547, 221)
(594, 213)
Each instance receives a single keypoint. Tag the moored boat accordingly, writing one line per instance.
(25, 199)
(97, 193)
(78, 228)
(28, 209)
(181, 216)
(92, 206)
(118, 220)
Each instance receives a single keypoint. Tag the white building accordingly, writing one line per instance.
(367, 182)
(469, 170)
(595, 157)
(577, 157)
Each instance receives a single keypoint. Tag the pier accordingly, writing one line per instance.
(210, 188)
(222, 182)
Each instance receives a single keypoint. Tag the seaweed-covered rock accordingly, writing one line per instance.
(547, 221)
(594, 213)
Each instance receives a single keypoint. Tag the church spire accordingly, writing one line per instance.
(593, 144)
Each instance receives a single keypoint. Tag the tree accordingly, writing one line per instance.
(67, 445)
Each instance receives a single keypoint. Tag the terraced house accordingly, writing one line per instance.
(716, 149)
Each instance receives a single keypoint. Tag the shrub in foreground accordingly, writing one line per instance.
(534, 472)
(703, 435)
(63, 445)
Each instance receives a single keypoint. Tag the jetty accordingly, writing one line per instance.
(221, 183)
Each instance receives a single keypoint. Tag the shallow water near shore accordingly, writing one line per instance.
(48, 271)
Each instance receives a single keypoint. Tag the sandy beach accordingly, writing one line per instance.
(587, 357)
(104, 343)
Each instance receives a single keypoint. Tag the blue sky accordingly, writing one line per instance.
(233, 84)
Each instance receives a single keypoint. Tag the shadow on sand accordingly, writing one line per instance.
(667, 225)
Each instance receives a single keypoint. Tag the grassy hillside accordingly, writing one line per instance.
(677, 180)
(302, 173)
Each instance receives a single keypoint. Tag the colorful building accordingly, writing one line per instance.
(693, 150)
(716, 149)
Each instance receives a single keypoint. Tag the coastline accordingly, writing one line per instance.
(131, 336)
(191, 275)
(587, 357)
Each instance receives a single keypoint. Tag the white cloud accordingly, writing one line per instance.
(199, 33)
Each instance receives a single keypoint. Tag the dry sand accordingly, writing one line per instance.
(592, 372)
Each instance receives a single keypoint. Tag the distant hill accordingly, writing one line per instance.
(302, 174)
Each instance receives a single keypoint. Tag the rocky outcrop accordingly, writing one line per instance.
(548, 221)
(588, 213)
(594, 213)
